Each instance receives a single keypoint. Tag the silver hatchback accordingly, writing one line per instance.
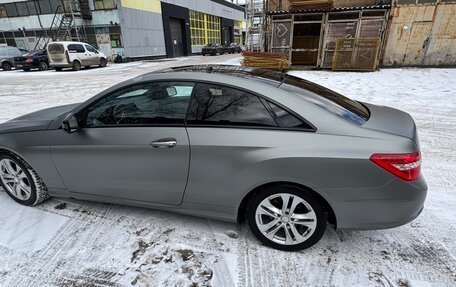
(230, 143)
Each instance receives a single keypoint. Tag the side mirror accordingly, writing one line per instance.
(70, 123)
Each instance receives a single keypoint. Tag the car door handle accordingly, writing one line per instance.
(166, 142)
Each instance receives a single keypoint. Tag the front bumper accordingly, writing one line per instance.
(394, 204)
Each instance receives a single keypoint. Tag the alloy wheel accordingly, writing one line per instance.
(15, 179)
(286, 219)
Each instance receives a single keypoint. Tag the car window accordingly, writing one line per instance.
(218, 105)
(287, 119)
(76, 48)
(145, 104)
(3, 51)
(327, 99)
(90, 49)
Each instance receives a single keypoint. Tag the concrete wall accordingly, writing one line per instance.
(422, 35)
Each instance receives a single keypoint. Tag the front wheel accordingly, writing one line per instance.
(20, 181)
(286, 218)
(103, 62)
(76, 66)
(6, 66)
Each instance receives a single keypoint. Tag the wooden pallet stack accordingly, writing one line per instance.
(265, 60)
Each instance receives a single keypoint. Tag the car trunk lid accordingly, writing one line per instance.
(392, 121)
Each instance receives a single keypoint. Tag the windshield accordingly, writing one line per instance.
(327, 99)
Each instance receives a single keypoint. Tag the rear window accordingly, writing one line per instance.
(327, 99)
(55, 49)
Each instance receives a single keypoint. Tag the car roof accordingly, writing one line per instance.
(265, 76)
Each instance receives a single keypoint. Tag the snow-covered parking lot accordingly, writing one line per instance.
(77, 243)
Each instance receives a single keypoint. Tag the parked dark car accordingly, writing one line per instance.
(33, 60)
(7, 55)
(232, 48)
(213, 49)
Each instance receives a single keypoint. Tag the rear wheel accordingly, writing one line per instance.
(76, 66)
(286, 217)
(103, 62)
(20, 181)
(6, 66)
(43, 66)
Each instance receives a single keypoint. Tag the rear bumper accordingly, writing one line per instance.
(393, 204)
(22, 65)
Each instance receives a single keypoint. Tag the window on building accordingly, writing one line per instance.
(204, 28)
(31, 7)
(54, 5)
(104, 4)
(45, 7)
(116, 42)
(22, 9)
(3, 11)
(11, 9)
(222, 106)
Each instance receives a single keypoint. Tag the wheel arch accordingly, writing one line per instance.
(241, 213)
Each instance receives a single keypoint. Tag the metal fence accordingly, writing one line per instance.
(356, 54)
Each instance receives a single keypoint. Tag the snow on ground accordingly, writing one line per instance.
(78, 243)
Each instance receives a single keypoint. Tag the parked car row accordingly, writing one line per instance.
(215, 48)
(57, 55)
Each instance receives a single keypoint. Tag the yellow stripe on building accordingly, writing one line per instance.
(144, 5)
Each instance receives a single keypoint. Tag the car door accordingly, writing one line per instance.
(132, 145)
(78, 52)
(92, 55)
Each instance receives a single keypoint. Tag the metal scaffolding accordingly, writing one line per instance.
(256, 25)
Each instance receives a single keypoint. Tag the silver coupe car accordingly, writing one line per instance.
(231, 143)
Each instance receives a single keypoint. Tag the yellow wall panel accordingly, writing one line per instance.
(144, 5)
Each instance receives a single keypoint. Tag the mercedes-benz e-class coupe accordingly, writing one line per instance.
(224, 142)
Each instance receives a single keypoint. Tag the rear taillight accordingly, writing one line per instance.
(28, 60)
(405, 166)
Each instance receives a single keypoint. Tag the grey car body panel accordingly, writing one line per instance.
(213, 168)
(36, 121)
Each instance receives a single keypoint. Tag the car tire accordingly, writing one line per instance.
(294, 226)
(43, 66)
(103, 62)
(58, 69)
(6, 66)
(20, 181)
(76, 66)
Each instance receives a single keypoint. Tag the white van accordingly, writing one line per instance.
(74, 55)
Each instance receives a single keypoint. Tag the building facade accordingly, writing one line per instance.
(421, 33)
(323, 33)
(134, 28)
